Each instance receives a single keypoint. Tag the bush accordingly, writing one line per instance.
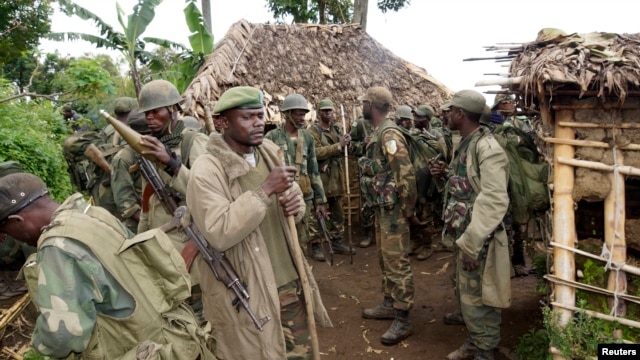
(32, 133)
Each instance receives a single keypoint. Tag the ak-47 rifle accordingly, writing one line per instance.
(326, 243)
(219, 264)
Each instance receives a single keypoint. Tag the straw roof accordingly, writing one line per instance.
(605, 63)
(335, 61)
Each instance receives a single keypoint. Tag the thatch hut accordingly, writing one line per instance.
(317, 61)
(586, 90)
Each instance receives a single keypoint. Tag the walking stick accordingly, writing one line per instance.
(346, 178)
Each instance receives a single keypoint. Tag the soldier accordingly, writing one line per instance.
(127, 186)
(240, 194)
(425, 120)
(299, 150)
(330, 142)
(404, 117)
(73, 120)
(389, 177)
(122, 106)
(361, 131)
(81, 279)
(476, 186)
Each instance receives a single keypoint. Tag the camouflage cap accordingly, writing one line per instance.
(425, 110)
(403, 112)
(377, 95)
(325, 104)
(123, 105)
(244, 97)
(17, 191)
(138, 122)
(502, 97)
(9, 167)
(469, 100)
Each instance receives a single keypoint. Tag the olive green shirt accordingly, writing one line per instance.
(330, 158)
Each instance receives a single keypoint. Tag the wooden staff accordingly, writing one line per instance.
(346, 179)
(208, 121)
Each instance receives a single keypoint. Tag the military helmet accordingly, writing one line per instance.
(502, 97)
(293, 102)
(124, 105)
(403, 112)
(158, 94)
(425, 110)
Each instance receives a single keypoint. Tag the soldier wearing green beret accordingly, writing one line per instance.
(240, 195)
(330, 143)
(475, 183)
(299, 150)
(389, 177)
(90, 279)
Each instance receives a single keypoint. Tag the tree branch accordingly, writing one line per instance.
(52, 97)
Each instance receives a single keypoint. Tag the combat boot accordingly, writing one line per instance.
(384, 311)
(484, 355)
(425, 252)
(454, 318)
(316, 251)
(465, 352)
(368, 237)
(339, 247)
(399, 330)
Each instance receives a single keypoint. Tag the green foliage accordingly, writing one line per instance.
(539, 263)
(22, 23)
(533, 345)
(579, 339)
(393, 5)
(31, 133)
(593, 273)
(33, 355)
(314, 11)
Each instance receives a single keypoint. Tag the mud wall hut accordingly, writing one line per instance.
(586, 90)
(335, 61)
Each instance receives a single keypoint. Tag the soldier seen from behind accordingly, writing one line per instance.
(476, 202)
(361, 131)
(389, 178)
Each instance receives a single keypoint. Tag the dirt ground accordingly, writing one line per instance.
(346, 289)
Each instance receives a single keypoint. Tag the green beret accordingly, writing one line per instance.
(325, 104)
(425, 110)
(9, 167)
(244, 97)
(18, 191)
(123, 105)
(377, 95)
(469, 100)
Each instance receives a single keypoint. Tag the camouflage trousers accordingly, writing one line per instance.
(335, 223)
(293, 317)
(393, 248)
(483, 322)
(302, 228)
(422, 235)
(367, 216)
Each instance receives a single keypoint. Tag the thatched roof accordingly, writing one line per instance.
(604, 63)
(335, 61)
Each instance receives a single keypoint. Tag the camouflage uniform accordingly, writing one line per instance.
(476, 201)
(360, 129)
(126, 186)
(330, 157)
(389, 177)
(81, 282)
(308, 176)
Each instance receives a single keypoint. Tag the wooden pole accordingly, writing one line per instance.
(614, 238)
(503, 81)
(622, 169)
(589, 143)
(574, 124)
(627, 268)
(14, 311)
(346, 179)
(208, 120)
(564, 228)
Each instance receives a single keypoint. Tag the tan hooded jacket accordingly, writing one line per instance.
(229, 219)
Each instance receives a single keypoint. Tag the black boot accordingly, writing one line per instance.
(316, 252)
(368, 237)
(399, 330)
(384, 311)
(339, 247)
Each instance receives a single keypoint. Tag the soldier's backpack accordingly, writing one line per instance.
(528, 174)
(421, 150)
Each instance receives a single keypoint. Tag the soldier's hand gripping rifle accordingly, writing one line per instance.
(326, 243)
(219, 264)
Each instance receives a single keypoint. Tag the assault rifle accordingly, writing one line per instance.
(219, 264)
(326, 243)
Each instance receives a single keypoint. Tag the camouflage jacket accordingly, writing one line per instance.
(126, 187)
(387, 172)
(360, 129)
(81, 282)
(308, 171)
(330, 158)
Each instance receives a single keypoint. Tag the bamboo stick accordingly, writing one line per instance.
(597, 315)
(564, 228)
(508, 57)
(208, 120)
(14, 355)
(555, 351)
(589, 143)
(623, 169)
(614, 237)
(627, 268)
(14, 311)
(503, 81)
(591, 288)
(574, 124)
